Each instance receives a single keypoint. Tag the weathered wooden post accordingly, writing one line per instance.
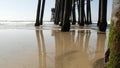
(82, 12)
(38, 13)
(103, 16)
(99, 13)
(88, 12)
(57, 12)
(62, 12)
(114, 36)
(78, 6)
(66, 23)
(73, 12)
(42, 12)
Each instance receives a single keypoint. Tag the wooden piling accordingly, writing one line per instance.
(82, 12)
(38, 13)
(88, 12)
(103, 16)
(73, 13)
(42, 12)
(66, 23)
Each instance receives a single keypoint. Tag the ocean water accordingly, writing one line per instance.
(22, 23)
(26, 24)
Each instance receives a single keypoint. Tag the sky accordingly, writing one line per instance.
(26, 9)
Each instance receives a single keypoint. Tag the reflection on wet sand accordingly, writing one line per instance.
(52, 49)
(75, 49)
(99, 62)
(41, 49)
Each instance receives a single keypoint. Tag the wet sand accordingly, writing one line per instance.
(40, 48)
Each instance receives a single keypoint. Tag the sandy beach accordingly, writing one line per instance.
(43, 48)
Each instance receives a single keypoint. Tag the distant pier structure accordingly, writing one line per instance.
(73, 12)
(52, 15)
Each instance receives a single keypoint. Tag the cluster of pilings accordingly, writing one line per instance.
(66, 12)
